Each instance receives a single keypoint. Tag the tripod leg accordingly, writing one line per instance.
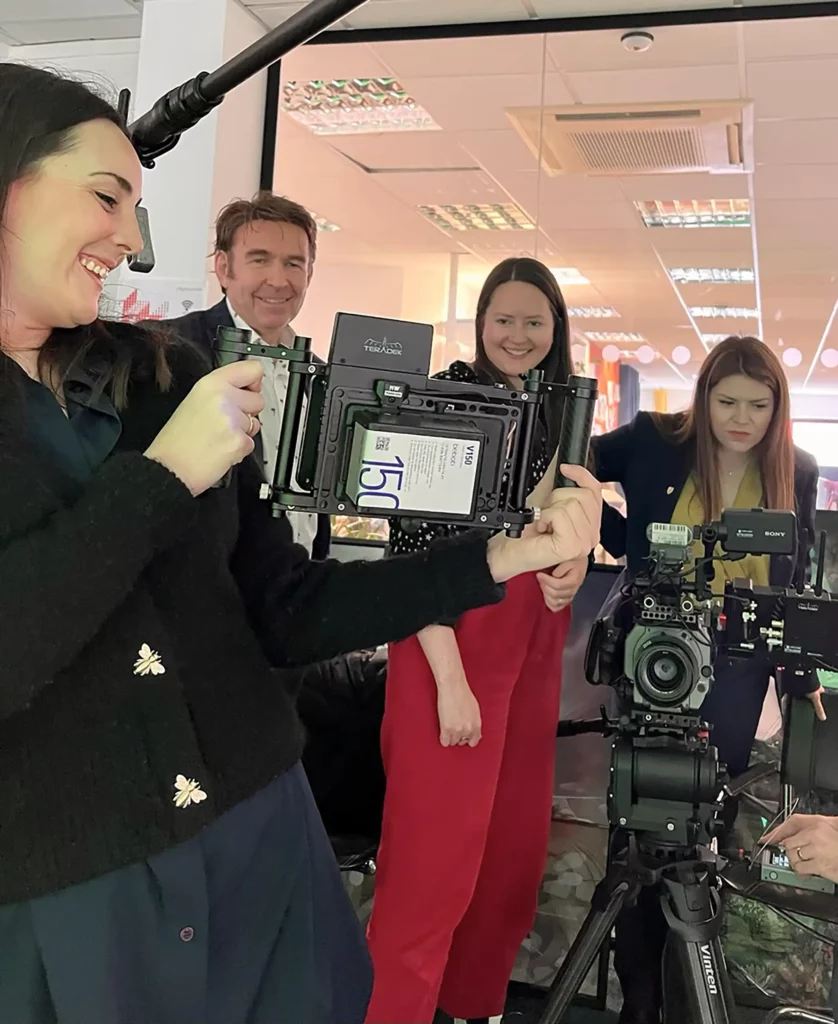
(609, 897)
(708, 988)
(693, 910)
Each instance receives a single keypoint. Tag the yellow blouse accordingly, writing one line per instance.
(689, 512)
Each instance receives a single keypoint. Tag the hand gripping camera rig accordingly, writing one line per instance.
(370, 434)
(658, 649)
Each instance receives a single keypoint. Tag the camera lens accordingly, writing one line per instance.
(666, 672)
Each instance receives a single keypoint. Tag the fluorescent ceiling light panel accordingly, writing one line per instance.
(322, 223)
(723, 312)
(568, 275)
(617, 337)
(695, 213)
(592, 312)
(712, 275)
(355, 106)
(478, 217)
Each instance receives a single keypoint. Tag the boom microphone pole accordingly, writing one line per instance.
(159, 130)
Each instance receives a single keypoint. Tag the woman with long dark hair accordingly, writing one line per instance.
(731, 449)
(469, 730)
(162, 859)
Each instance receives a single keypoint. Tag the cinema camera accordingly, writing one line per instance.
(371, 434)
(657, 650)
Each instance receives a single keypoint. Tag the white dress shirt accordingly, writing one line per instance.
(274, 391)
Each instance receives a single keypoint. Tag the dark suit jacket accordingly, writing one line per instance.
(652, 471)
(200, 327)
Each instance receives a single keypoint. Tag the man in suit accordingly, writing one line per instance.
(264, 257)
(265, 249)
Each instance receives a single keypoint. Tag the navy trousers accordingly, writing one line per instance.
(246, 924)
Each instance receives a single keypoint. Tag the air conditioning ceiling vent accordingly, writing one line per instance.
(715, 137)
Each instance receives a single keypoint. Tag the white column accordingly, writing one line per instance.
(214, 162)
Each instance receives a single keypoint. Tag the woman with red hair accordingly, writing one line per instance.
(731, 449)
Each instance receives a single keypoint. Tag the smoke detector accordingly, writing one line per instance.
(637, 42)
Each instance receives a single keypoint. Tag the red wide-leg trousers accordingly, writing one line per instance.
(465, 831)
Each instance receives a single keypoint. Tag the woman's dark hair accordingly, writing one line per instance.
(556, 364)
(39, 112)
(750, 358)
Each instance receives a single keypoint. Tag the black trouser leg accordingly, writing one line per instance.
(640, 937)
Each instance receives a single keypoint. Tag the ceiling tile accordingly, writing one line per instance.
(804, 221)
(481, 100)
(327, 63)
(390, 13)
(685, 186)
(673, 48)
(59, 31)
(273, 14)
(806, 37)
(655, 84)
(397, 150)
(812, 258)
(452, 58)
(794, 89)
(738, 252)
(796, 142)
(784, 181)
(671, 242)
(578, 8)
(54, 10)
(503, 149)
(575, 216)
(440, 189)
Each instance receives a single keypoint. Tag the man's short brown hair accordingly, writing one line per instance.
(263, 206)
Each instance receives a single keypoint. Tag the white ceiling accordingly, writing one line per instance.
(53, 21)
(25, 22)
(401, 13)
(788, 70)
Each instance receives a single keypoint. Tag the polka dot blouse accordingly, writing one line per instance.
(403, 542)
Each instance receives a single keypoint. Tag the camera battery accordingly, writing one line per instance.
(404, 471)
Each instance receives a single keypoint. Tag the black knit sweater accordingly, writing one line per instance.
(136, 576)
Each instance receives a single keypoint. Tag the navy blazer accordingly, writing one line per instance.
(200, 327)
(652, 471)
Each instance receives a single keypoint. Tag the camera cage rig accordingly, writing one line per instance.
(465, 447)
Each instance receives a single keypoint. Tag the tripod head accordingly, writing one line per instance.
(666, 782)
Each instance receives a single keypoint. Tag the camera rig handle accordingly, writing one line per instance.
(581, 395)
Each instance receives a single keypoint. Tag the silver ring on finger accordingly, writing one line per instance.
(252, 425)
